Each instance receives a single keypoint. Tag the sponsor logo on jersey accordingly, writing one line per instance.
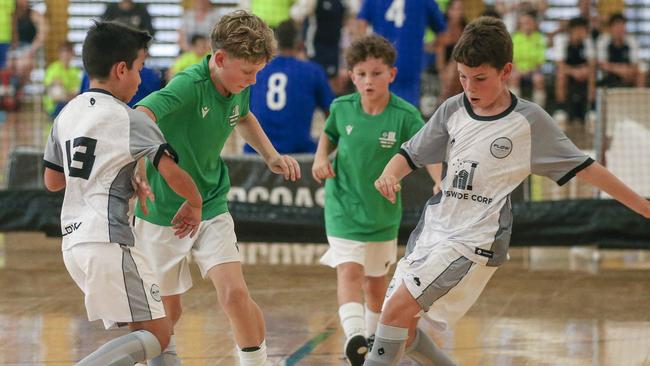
(71, 228)
(234, 116)
(348, 129)
(204, 111)
(501, 147)
(465, 175)
(463, 180)
(388, 139)
(155, 292)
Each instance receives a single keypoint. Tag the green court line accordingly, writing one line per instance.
(308, 347)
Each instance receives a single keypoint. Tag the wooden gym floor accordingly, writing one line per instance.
(557, 306)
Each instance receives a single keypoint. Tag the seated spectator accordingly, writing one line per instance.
(31, 30)
(575, 74)
(287, 92)
(444, 46)
(529, 48)
(199, 20)
(618, 56)
(199, 48)
(129, 13)
(61, 81)
(511, 9)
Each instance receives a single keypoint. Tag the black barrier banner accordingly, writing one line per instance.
(268, 209)
(252, 182)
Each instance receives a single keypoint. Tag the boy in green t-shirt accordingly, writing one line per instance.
(196, 112)
(62, 81)
(366, 128)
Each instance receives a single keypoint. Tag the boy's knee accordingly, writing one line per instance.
(234, 298)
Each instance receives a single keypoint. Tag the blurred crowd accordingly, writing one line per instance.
(559, 69)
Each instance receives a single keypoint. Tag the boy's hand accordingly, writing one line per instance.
(142, 191)
(388, 185)
(646, 210)
(285, 165)
(322, 169)
(187, 220)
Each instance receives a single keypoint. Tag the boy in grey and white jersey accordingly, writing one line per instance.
(92, 151)
(490, 141)
(486, 159)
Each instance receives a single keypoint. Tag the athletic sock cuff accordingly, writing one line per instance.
(391, 333)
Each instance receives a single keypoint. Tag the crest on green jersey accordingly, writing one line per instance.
(234, 115)
(387, 139)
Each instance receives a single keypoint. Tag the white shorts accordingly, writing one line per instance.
(375, 257)
(119, 285)
(445, 284)
(215, 243)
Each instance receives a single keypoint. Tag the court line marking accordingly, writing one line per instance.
(307, 348)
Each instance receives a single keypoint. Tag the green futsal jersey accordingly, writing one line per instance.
(354, 209)
(196, 120)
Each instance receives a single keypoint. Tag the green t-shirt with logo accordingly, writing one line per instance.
(354, 209)
(196, 121)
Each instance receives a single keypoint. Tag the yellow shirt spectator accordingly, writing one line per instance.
(528, 51)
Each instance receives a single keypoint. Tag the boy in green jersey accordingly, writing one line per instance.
(366, 128)
(198, 110)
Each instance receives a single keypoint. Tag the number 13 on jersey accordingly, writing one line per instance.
(80, 164)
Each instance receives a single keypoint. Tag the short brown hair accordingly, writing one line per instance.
(484, 41)
(244, 35)
(370, 46)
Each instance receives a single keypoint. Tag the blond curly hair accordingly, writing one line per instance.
(244, 35)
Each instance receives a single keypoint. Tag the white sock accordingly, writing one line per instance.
(352, 319)
(128, 349)
(372, 319)
(254, 358)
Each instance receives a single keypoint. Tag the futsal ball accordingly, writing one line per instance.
(57, 93)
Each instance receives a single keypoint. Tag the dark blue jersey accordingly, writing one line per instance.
(284, 98)
(403, 23)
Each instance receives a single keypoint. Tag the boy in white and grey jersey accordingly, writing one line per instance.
(92, 151)
(490, 141)
(486, 158)
(98, 139)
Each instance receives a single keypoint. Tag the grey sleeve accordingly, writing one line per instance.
(53, 157)
(552, 154)
(429, 145)
(146, 139)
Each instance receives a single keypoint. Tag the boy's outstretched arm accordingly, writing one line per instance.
(322, 167)
(188, 217)
(388, 183)
(597, 175)
(250, 129)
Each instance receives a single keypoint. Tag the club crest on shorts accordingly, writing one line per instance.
(155, 292)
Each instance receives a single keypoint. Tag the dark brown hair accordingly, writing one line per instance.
(484, 41)
(370, 46)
